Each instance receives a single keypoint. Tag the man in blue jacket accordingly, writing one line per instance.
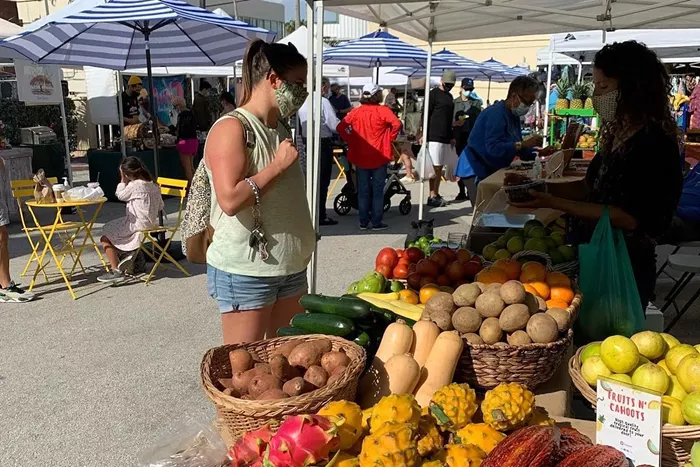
(496, 138)
(685, 226)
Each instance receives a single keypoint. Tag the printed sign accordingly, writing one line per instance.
(628, 418)
(166, 87)
(38, 84)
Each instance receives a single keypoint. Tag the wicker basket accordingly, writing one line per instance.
(676, 440)
(538, 256)
(238, 416)
(570, 268)
(486, 366)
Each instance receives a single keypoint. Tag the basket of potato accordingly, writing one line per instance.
(510, 335)
(261, 383)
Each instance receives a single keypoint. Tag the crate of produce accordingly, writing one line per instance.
(242, 410)
(677, 440)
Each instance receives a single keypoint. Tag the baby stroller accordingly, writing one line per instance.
(347, 199)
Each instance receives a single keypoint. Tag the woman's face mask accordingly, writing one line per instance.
(448, 86)
(290, 97)
(606, 105)
(521, 109)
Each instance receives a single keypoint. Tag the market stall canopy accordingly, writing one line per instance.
(559, 58)
(8, 29)
(112, 34)
(457, 20)
(462, 66)
(671, 45)
(499, 72)
(387, 78)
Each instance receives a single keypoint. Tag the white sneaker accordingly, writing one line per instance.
(407, 179)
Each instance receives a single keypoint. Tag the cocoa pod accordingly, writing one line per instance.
(595, 456)
(532, 446)
(571, 441)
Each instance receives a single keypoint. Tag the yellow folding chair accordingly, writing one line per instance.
(341, 171)
(22, 189)
(149, 243)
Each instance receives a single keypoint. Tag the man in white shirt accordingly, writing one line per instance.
(329, 122)
(391, 101)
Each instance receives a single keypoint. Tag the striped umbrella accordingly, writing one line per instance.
(462, 66)
(378, 49)
(500, 73)
(122, 34)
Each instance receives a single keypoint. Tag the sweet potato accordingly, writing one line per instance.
(332, 360)
(286, 349)
(316, 376)
(273, 394)
(306, 355)
(241, 360)
(262, 383)
(263, 368)
(297, 386)
(280, 368)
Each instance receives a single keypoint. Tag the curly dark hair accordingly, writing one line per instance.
(643, 85)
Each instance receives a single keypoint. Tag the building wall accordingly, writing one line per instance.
(344, 28)
(268, 15)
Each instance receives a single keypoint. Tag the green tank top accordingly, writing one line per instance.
(284, 213)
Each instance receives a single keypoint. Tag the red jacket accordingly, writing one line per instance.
(369, 131)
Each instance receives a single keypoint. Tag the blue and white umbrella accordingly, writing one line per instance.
(376, 50)
(500, 73)
(113, 34)
(462, 66)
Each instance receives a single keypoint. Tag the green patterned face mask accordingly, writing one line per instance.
(290, 97)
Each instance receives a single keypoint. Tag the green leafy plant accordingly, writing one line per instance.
(15, 115)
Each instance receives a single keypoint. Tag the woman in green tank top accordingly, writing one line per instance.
(257, 181)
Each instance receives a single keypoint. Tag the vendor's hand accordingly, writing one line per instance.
(458, 122)
(546, 152)
(542, 200)
(286, 155)
(531, 142)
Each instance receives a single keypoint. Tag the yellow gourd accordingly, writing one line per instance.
(425, 332)
(440, 367)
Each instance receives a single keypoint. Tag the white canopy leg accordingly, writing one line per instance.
(120, 110)
(310, 140)
(426, 105)
(548, 92)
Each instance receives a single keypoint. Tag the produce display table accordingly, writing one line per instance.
(555, 394)
(104, 166)
(488, 189)
(50, 157)
(18, 166)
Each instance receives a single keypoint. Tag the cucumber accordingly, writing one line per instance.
(320, 323)
(360, 338)
(290, 331)
(352, 308)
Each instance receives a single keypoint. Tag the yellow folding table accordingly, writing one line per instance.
(79, 239)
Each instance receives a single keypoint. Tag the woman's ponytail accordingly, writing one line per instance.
(249, 61)
(261, 58)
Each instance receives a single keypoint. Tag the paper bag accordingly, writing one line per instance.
(43, 191)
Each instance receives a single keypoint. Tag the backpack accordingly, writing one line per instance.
(196, 229)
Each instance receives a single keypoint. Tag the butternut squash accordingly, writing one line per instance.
(403, 373)
(425, 332)
(374, 385)
(440, 367)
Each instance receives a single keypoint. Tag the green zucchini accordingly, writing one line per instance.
(320, 323)
(360, 338)
(352, 308)
(290, 331)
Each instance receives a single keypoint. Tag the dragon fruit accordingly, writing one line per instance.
(249, 449)
(301, 441)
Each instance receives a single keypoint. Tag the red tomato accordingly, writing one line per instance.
(400, 271)
(415, 254)
(400, 253)
(387, 257)
(384, 270)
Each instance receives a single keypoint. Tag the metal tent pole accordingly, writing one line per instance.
(309, 146)
(154, 117)
(488, 93)
(120, 111)
(426, 106)
(65, 140)
(548, 92)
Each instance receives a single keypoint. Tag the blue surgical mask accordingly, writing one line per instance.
(521, 110)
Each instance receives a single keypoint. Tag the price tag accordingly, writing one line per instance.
(628, 418)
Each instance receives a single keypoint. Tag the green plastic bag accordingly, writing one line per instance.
(611, 303)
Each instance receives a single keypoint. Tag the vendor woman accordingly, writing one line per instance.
(637, 173)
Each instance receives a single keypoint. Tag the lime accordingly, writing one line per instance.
(530, 224)
(536, 244)
(501, 242)
(511, 233)
(490, 251)
(568, 251)
(515, 244)
(537, 232)
(557, 257)
(591, 350)
(502, 254)
(558, 238)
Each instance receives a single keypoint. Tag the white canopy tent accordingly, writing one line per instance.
(449, 20)
(559, 58)
(8, 29)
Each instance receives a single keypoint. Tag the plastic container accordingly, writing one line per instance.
(520, 193)
(58, 190)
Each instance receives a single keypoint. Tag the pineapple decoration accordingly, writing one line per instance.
(563, 88)
(580, 93)
(589, 93)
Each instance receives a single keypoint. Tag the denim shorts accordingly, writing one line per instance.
(234, 292)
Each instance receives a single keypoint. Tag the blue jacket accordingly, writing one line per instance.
(689, 205)
(493, 137)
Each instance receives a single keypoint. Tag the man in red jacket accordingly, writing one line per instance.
(369, 131)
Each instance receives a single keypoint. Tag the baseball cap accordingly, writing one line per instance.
(134, 80)
(468, 83)
(449, 77)
(370, 89)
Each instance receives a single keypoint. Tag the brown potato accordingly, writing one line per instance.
(440, 302)
(316, 376)
(262, 383)
(562, 317)
(230, 392)
(306, 355)
(286, 349)
(519, 338)
(241, 380)
(263, 368)
(273, 394)
(466, 319)
(442, 318)
(332, 379)
(280, 368)
(472, 338)
(332, 360)
(491, 331)
(226, 382)
(297, 386)
(489, 305)
(323, 345)
(542, 328)
(466, 294)
(514, 318)
(513, 292)
(339, 370)
(241, 360)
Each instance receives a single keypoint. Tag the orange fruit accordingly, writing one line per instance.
(542, 289)
(492, 275)
(428, 291)
(558, 279)
(408, 296)
(510, 266)
(557, 304)
(532, 264)
(564, 294)
(531, 289)
(533, 274)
